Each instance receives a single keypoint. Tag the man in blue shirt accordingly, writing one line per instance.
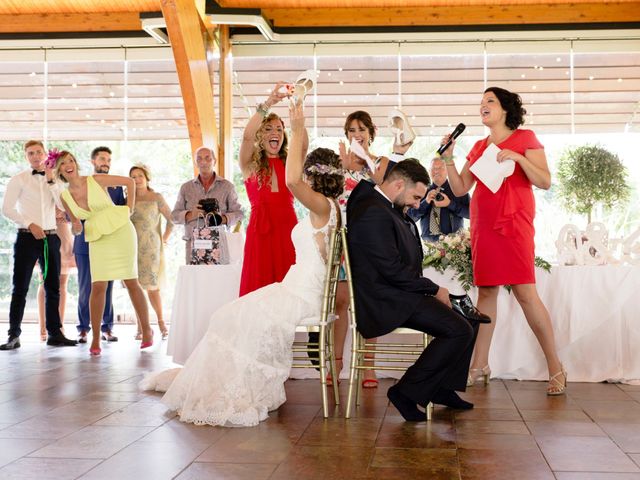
(101, 160)
(440, 212)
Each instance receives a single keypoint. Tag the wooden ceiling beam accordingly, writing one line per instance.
(70, 22)
(187, 35)
(542, 13)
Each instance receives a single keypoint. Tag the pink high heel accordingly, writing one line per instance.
(147, 344)
(95, 352)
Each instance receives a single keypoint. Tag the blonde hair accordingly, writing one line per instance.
(145, 171)
(56, 171)
(259, 162)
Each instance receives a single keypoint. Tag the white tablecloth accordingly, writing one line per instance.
(594, 310)
(200, 290)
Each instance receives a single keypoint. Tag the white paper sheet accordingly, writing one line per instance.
(491, 172)
(359, 151)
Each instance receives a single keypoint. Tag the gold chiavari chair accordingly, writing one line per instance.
(323, 324)
(386, 355)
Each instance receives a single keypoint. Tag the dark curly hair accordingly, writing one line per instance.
(510, 103)
(330, 185)
(365, 119)
(259, 161)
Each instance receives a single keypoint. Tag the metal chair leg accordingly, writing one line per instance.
(352, 375)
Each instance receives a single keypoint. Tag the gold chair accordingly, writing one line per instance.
(396, 356)
(324, 325)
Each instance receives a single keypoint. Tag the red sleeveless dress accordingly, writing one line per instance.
(502, 246)
(268, 249)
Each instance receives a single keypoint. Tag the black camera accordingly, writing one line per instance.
(209, 205)
(439, 196)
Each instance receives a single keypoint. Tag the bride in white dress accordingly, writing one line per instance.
(236, 374)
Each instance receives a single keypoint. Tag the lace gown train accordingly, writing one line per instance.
(236, 374)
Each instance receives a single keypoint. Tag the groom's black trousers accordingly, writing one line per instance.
(444, 364)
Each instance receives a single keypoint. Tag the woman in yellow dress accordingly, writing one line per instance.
(150, 207)
(111, 237)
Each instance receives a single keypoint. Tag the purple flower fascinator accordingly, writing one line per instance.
(52, 158)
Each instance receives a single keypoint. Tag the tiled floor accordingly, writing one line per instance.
(64, 415)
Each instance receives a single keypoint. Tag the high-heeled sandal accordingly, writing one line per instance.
(476, 373)
(148, 344)
(95, 352)
(556, 387)
(401, 128)
(163, 331)
(303, 85)
(43, 336)
(330, 379)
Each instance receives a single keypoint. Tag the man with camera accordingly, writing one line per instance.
(440, 212)
(207, 193)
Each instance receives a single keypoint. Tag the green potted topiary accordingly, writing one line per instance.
(590, 175)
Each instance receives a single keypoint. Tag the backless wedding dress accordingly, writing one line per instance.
(236, 374)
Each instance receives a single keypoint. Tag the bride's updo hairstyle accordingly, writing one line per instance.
(324, 172)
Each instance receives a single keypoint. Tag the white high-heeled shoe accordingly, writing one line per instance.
(303, 85)
(400, 127)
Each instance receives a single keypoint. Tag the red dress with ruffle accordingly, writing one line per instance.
(502, 232)
(268, 249)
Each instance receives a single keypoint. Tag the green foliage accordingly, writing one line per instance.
(590, 175)
(453, 252)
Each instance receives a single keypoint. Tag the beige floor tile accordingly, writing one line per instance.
(13, 449)
(514, 464)
(141, 414)
(585, 454)
(540, 428)
(491, 426)
(93, 442)
(146, 460)
(227, 471)
(47, 468)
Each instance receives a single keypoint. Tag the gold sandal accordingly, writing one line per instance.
(475, 374)
(556, 387)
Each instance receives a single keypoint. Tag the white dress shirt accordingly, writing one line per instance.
(30, 199)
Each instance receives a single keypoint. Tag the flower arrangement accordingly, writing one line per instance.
(453, 252)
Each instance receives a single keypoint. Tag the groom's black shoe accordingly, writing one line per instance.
(405, 406)
(12, 344)
(450, 399)
(463, 305)
(60, 341)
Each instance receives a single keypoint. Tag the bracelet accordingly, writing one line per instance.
(448, 160)
(262, 109)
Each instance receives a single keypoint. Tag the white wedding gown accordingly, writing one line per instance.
(236, 374)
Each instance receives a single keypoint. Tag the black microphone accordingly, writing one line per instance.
(455, 134)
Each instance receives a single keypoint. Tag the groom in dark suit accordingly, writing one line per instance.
(390, 291)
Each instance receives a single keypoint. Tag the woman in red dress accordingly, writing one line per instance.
(268, 250)
(502, 228)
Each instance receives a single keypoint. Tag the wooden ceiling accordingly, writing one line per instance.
(24, 16)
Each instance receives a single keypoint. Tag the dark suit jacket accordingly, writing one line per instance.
(386, 263)
(80, 247)
(451, 217)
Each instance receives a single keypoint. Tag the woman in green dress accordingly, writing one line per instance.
(111, 237)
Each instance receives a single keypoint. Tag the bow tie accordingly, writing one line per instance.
(36, 172)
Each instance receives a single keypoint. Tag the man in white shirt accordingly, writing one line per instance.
(29, 201)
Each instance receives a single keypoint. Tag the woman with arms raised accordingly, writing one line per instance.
(236, 374)
(268, 251)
